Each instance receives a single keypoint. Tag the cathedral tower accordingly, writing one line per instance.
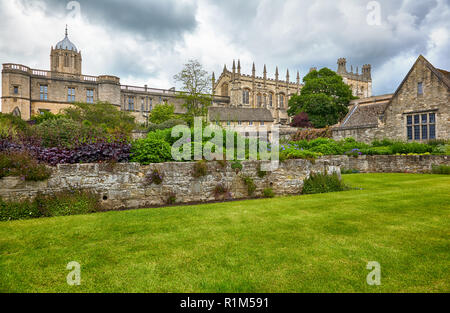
(65, 58)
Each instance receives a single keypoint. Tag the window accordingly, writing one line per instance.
(245, 96)
(420, 88)
(261, 123)
(43, 89)
(90, 95)
(130, 103)
(259, 100)
(421, 126)
(70, 94)
(239, 123)
(16, 90)
(228, 123)
(250, 123)
(270, 99)
(142, 104)
(281, 102)
(66, 60)
(160, 99)
(150, 107)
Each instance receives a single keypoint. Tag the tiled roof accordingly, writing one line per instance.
(363, 116)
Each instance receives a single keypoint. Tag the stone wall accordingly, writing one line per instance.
(363, 134)
(125, 185)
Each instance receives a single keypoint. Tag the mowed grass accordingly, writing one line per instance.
(315, 243)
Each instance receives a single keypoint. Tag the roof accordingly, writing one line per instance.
(442, 75)
(239, 114)
(66, 44)
(363, 116)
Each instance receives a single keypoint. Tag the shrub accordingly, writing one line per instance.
(24, 165)
(259, 172)
(322, 183)
(13, 126)
(165, 125)
(412, 147)
(236, 165)
(441, 169)
(68, 203)
(146, 151)
(62, 203)
(295, 153)
(377, 150)
(161, 113)
(220, 189)
(268, 193)
(310, 134)
(349, 171)
(61, 132)
(155, 177)
(301, 120)
(382, 143)
(102, 115)
(200, 169)
(171, 198)
(42, 117)
(18, 210)
(248, 181)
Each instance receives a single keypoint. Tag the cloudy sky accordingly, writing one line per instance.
(148, 41)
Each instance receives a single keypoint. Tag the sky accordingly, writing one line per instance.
(148, 41)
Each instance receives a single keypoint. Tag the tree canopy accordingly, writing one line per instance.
(196, 86)
(161, 113)
(324, 97)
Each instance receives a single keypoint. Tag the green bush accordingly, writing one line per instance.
(441, 169)
(23, 165)
(200, 169)
(268, 193)
(248, 181)
(167, 124)
(42, 117)
(68, 203)
(102, 115)
(322, 183)
(411, 147)
(349, 171)
(377, 150)
(18, 210)
(146, 151)
(13, 126)
(62, 203)
(236, 165)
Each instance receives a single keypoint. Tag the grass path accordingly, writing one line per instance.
(314, 243)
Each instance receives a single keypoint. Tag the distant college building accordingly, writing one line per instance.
(419, 110)
(239, 101)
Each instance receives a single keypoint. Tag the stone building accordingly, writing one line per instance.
(27, 91)
(419, 110)
(252, 91)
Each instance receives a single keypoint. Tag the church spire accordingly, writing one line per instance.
(66, 31)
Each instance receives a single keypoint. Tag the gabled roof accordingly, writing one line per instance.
(442, 75)
(239, 114)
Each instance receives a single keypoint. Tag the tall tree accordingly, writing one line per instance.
(324, 97)
(196, 89)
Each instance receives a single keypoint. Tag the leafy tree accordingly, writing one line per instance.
(101, 114)
(196, 89)
(324, 97)
(161, 113)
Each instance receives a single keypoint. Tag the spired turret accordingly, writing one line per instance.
(65, 57)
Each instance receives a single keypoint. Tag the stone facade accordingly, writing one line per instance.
(27, 91)
(124, 185)
(252, 91)
(419, 110)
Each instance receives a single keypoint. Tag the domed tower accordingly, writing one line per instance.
(65, 58)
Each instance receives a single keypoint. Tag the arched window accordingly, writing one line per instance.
(16, 112)
(270, 99)
(281, 100)
(246, 96)
(259, 100)
(224, 90)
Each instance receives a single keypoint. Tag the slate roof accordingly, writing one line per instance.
(239, 114)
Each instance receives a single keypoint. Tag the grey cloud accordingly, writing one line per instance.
(163, 20)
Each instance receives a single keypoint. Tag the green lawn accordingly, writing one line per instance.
(315, 243)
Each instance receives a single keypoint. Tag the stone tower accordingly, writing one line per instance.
(65, 58)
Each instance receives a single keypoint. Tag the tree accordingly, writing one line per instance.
(301, 120)
(161, 113)
(196, 89)
(324, 97)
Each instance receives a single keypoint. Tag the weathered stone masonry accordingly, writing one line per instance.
(124, 185)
